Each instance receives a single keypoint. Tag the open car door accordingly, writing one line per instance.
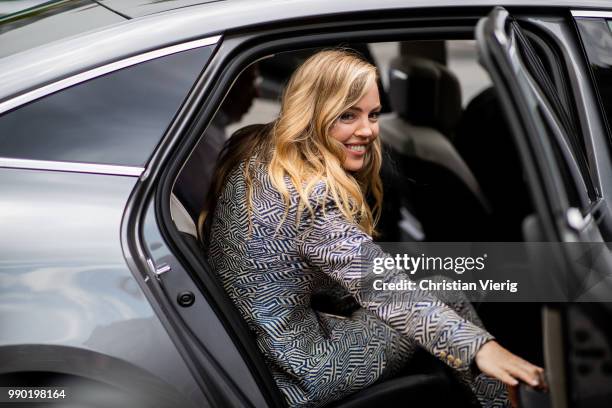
(564, 192)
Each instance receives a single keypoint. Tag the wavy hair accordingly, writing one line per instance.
(298, 143)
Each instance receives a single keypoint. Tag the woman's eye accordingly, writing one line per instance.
(347, 116)
(374, 116)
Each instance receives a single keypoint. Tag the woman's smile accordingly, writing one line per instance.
(357, 149)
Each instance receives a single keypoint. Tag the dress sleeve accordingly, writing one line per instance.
(341, 250)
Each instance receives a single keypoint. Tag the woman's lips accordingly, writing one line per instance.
(356, 149)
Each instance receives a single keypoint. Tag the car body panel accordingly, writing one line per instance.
(201, 317)
(62, 269)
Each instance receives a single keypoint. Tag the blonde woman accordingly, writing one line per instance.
(289, 215)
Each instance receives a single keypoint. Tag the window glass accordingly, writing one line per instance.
(596, 34)
(114, 119)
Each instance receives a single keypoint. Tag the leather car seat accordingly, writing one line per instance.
(444, 195)
(484, 139)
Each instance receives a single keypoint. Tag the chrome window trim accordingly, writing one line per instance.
(102, 70)
(73, 167)
(592, 13)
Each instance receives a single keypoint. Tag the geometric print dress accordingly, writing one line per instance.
(271, 273)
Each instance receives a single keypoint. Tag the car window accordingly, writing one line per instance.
(596, 35)
(117, 118)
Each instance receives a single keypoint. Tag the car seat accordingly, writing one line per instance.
(443, 193)
(483, 138)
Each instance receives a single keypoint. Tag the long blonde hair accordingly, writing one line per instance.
(298, 143)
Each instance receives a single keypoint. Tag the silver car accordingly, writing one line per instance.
(107, 299)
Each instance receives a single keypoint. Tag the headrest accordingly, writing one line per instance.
(425, 93)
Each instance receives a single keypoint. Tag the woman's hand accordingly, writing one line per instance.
(495, 361)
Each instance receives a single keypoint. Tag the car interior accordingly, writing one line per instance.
(451, 173)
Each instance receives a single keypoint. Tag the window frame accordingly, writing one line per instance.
(551, 54)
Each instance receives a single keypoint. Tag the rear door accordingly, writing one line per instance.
(563, 184)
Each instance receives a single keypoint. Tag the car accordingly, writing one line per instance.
(497, 120)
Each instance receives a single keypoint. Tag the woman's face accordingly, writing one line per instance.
(357, 127)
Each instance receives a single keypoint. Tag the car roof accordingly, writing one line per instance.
(139, 8)
(190, 20)
(39, 23)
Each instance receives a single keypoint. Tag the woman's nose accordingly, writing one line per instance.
(365, 129)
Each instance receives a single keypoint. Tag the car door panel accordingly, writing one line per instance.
(546, 148)
(69, 304)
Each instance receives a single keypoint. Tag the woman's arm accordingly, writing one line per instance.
(344, 252)
(341, 250)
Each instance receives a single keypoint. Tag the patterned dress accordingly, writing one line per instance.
(315, 358)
